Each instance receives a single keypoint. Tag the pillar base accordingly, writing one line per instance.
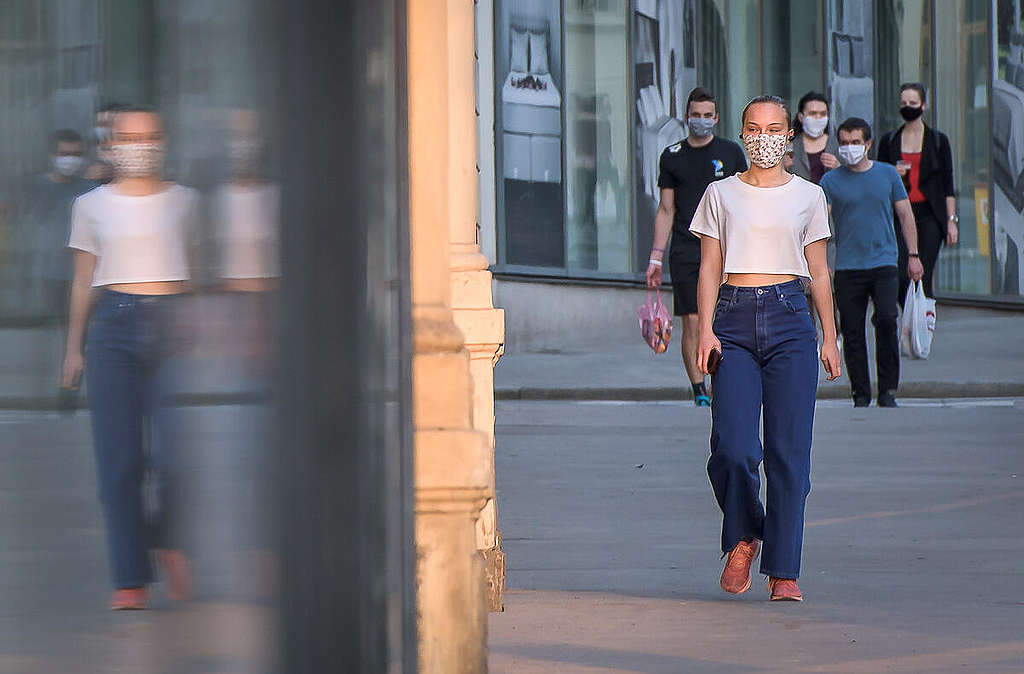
(494, 576)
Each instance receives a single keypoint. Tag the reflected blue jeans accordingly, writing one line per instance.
(769, 363)
(124, 367)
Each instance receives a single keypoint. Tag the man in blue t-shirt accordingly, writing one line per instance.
(862, 195)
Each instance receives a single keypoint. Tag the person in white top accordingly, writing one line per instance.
(131, 251)
(763, 237)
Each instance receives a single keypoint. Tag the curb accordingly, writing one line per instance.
(924, 389)
(210, 399)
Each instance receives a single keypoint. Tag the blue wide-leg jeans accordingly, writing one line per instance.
(769, 363)
(124, 361)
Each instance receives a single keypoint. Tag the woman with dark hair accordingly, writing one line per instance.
(814, 149)
(922, 156)
(763, 232)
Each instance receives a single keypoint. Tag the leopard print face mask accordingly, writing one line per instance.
(766, 149)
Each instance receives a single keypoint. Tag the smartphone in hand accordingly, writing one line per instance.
(714, 360)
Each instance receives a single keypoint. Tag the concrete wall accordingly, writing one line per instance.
(564, 316)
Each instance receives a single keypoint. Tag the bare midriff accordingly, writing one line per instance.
(756, 280)
(249, 285)
(150, 288)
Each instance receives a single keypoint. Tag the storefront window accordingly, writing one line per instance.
(1006, 248)
(793, 50)
(664, 73)
(905, 32)
(597, 176)
(729, 56)
(850, 59)
(528, 131)
(960, 109)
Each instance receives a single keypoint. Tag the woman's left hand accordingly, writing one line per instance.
(952, 234)
(830, 359)
(829, 161)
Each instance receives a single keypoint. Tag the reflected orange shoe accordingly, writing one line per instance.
(736, 575)
(784, 589)
(130, 599)
(177, 573)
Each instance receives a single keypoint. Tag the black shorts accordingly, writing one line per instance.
(684, 286)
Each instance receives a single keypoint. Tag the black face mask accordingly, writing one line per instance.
(911, 113)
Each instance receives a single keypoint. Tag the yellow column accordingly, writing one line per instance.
(452, 481)
(481, 324)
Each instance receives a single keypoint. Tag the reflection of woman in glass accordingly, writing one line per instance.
(130, 243)
(923, 157)
(764, 232)
(814, 149)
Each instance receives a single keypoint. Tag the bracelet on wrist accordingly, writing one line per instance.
(656, 263)
(658, 250)
(913, 255)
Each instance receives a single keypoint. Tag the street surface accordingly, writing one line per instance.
(912, 552)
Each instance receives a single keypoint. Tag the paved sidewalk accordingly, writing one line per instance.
(976, 352)
(911, 561)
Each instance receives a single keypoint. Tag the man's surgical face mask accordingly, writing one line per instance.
(700, 127)
(852, 154)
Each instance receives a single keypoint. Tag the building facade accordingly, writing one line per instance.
(578, 98)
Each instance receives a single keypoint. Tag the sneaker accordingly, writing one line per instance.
(702, 401)
(887, 399)
(130, 599)
(862, 402)
(784, 589)
(736, 575)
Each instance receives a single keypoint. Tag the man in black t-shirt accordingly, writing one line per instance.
(686, 169)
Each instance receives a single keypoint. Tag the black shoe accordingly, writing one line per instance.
(887, 400)
(862, 402)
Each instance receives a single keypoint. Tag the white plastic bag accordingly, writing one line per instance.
(917, 326)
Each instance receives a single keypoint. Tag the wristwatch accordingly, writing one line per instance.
(955, 219)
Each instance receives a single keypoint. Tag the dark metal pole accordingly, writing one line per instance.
(344, 461)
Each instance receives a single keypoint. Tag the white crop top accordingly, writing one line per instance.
(763, 230)
(135, 239)
(246, 220)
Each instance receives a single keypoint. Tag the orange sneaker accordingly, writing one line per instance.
(178, 573)
(130, 599)
(784, 589)
(736, 575)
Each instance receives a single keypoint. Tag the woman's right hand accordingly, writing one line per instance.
(71, 375)
(705, 342)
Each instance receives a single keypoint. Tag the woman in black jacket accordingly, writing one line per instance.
(923, 157)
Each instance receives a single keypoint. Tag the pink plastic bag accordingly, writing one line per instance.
(655, 323)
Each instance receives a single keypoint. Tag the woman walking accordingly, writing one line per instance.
(815, 150)
(922, 156)
(131, 256)
(763, 232)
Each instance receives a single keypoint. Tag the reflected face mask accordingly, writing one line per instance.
(135, 160)
(766, 149)
(67, 165)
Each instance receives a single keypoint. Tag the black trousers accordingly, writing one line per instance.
(930, 235)
(853, 290)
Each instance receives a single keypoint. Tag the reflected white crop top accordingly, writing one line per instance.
(135, 239)
(763, 230)
(246, 221)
